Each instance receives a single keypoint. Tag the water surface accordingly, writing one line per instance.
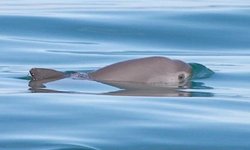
(71, 114)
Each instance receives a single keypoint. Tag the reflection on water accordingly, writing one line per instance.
(143, 90)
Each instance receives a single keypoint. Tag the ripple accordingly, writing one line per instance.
(50, 41)
(30, 144)
(201, 71)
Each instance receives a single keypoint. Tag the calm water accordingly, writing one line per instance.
(212, 114)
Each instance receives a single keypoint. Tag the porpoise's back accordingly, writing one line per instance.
(143, 70)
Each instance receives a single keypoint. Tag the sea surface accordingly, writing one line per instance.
(212, 113)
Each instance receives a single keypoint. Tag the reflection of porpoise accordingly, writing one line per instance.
(150, 70)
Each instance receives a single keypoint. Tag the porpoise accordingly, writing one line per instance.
(149, 70)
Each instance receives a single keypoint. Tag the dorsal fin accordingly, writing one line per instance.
(43, 73)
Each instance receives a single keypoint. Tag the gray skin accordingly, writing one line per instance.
(130, 74)
(144, 70)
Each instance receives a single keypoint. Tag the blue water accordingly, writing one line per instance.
(212, 114)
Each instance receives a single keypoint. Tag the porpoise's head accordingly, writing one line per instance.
(183, 71)
(171, 71)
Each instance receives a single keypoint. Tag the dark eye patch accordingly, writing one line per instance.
(181, 77)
